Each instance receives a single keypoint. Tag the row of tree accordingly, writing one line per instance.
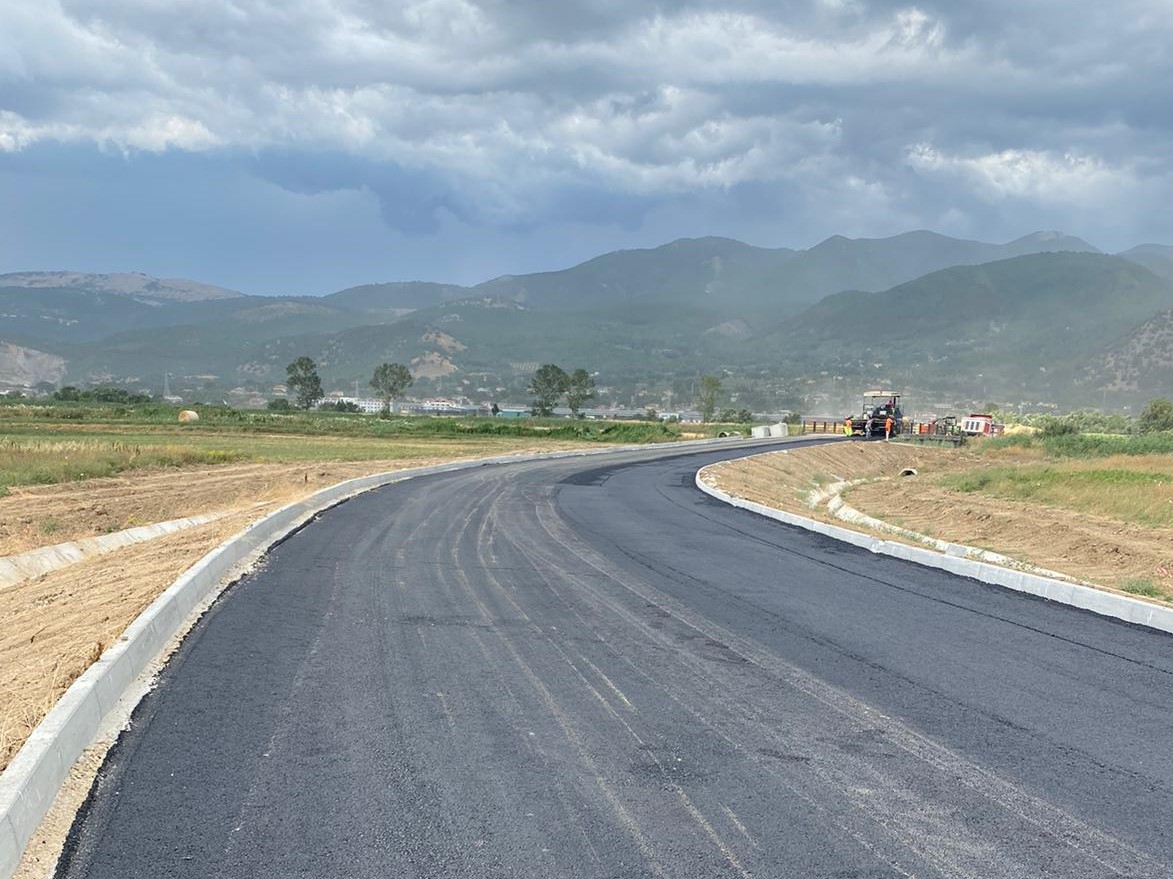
(551, 383)
(99, 395)
(389, 381)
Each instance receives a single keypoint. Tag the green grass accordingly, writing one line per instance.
(1141, 496)
(45, 444)
(1144, 586)
(66, 416)
(1087, 445)
(44, 461)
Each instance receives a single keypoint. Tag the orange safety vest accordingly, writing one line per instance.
(888, 422)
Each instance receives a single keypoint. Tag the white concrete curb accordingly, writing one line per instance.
(952, 560)
(26, 565)
(31, 781)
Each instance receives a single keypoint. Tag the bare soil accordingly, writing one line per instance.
(1094, 548)
(1104, 551)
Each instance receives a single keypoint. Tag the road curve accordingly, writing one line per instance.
(588, 668)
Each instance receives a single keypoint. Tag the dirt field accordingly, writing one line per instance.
(52, 627)
(1116, 549)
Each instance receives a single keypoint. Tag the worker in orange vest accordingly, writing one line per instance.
(888, 422)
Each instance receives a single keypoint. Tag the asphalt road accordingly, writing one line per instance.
(590, 669)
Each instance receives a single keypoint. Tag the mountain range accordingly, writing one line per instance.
(1047, 317)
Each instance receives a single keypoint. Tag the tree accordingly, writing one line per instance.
(707, 401)
(548, 384)
(580, 388)
(1157, 415)
(390, 380)
(739, 416)
(339, 406)
(279, 404)
(303, 380)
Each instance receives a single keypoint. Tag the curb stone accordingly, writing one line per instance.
(953, 560)
(110, 688)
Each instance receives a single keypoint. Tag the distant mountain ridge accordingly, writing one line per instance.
(1035, 320)
(134, 284)
(932, 311)
(699, 270)
(1155, 257)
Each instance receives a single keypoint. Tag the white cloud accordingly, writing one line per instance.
(1029, 174)
(510, 100)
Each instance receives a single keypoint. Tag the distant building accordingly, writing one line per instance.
(365, 404)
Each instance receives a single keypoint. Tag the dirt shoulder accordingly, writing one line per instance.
(1100, 549)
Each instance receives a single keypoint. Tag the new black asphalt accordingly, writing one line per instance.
(588, 668)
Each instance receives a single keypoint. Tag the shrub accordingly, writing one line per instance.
(1156, 416)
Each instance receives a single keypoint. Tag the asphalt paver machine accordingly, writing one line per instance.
(879, 406)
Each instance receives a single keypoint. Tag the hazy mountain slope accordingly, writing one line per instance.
(501, 337)
(1047, 242)
(744, 280)
(63, 314)
(133, 284)
(53, 316)
(1141, 362)
(686, 271)
(1027, 322)
(396, 296)
(1157, 258)
(218, 345)
(1039, 322)
(840, 263)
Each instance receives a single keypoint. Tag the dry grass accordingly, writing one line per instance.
(1106, 519)
(54, 627)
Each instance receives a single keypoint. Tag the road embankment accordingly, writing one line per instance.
(944, 501)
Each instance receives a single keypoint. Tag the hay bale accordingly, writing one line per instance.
(186, 415)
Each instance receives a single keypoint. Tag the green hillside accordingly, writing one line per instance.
(1048, 325)
(1026, 323)
(1138, 366)
(686, 272)
(1158, 258)
(396, 296)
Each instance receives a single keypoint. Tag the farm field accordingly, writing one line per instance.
(1098, 509)
(68, 473)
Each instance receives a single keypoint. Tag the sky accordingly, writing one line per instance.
(303, 146)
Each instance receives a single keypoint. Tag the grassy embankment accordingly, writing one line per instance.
(1128, 479)
(48, 444)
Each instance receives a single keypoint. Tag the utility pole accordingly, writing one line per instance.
(166, 385)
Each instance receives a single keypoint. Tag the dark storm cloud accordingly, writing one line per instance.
(780, 120)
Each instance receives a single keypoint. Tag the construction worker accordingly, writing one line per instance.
(869, 426)
(847, 427)
(888, 422)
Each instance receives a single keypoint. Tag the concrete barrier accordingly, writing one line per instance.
(108, 688)
(953, 560)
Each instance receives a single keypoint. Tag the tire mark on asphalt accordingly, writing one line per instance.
(1107, 851)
